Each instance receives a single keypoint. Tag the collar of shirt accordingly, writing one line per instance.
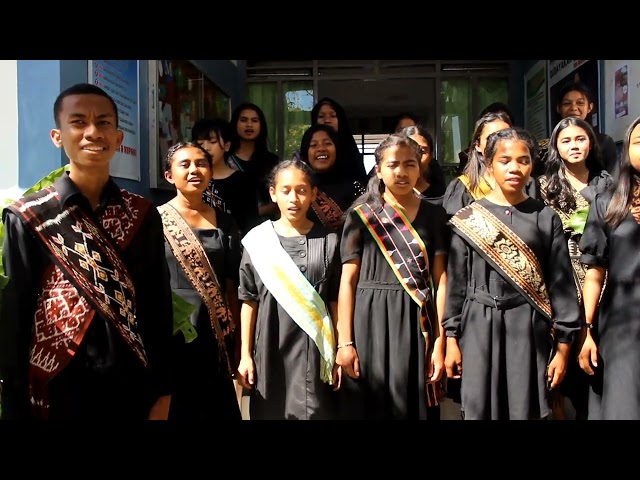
(69, 192)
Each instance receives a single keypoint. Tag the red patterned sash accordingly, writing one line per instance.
(87, 275)
(406, 254)
(190, 254)
(328, 211)
(635, 199)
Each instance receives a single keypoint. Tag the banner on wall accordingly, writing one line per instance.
(119, 78)
(621, 94)
(563, 72)
(535, 104)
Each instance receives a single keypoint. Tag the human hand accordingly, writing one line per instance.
(347, 358)
(160, 409)
(557, 368)
(436, 364)
(588, 355)
(453, 359)
(246, 372)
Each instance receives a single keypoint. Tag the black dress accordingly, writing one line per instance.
(203, 389)
(386, 325)
(618, 323)
(257, 170)
(287, 361)
(233, 195)
(505, 353)
(575, 385)
(430, 195)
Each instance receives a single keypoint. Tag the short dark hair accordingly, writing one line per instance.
(80, 89)
(203, 128)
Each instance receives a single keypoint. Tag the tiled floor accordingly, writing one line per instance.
(449, 409)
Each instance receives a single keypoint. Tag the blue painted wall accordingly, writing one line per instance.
(40, 82)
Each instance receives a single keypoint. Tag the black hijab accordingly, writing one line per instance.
(350, 162)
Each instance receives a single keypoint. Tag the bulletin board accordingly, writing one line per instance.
(179, 95)
(622, 96)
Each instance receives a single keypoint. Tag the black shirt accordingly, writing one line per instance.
(104, 379)
(234, 195)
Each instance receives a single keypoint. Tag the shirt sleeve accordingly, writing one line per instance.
(457, 280)
(247, 288)
(24, 265)
(335, 272)
(442, 232)
(234, 252)
(456, 196)
(594, 243)
(352, 240)
(561, 286)
(155, 304)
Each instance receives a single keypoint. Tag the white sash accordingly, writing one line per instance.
(293, 292)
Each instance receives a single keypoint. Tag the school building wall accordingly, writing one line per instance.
(28, 89)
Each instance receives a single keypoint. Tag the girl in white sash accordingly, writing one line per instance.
(289, 278)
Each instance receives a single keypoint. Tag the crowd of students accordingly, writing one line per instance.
(324, 291)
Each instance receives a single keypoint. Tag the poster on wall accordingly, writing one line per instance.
(535, 105)
(563, 72)
(621, 96)
(183, 95)
(119, 78)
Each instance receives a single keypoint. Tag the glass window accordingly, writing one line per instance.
(298, 103)
(491, 90)
(455, 120)
(263, 94)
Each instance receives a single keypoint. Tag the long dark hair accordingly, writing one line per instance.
(475, 167)
(375, 186)
(261, 142)
(559, 191)
(623, 188)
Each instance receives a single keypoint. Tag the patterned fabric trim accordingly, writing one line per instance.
(406, 254)
(190, 254)
(506, 251)
(635, 199)
(328, 211)
(565, 214)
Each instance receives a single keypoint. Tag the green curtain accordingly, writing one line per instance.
(455, 98)
(264, 95)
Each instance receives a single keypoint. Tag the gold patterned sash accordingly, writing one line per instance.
(480, 191)
(193, 260)
(506, 252)
(566, 215)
